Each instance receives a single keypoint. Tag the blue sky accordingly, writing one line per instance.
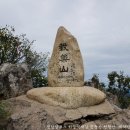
(102, 28)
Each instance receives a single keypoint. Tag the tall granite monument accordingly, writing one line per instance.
(66, 64)
(66, 77)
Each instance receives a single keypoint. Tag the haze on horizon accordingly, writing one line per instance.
(102, 28)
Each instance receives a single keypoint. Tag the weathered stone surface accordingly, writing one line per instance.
(31, 115)
(73, 114)
(118, 121)
(28, 115)
(67, 97)
(104, 108)
(66, 65)
(14, 80)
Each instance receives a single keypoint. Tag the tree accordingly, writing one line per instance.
(119, 85)
(95, 82)
(18, 49)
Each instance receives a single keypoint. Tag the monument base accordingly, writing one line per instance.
(67, 97)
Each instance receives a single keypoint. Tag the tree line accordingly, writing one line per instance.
(118, 85)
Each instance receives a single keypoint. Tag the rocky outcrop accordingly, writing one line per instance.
(31, 115)
(15, 80)
(66, 104)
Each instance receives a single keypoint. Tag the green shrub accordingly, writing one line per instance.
(17, 49)
(4, 110)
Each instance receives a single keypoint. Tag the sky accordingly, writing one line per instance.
(102, 29)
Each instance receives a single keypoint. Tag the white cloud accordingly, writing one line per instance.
(101, 27)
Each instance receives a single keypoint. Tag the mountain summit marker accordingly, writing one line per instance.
(66, 65)
(66, 77)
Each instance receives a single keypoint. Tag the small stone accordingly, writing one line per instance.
(66, 65)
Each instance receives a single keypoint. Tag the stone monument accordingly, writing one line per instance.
(66, 77)
(66, 64)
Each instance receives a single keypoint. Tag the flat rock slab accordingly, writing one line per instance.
(104, 108)
(67, 97)
(29, 114)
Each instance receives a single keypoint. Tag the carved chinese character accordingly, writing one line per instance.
(63, 47)
(63, 69)
(64, 58)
